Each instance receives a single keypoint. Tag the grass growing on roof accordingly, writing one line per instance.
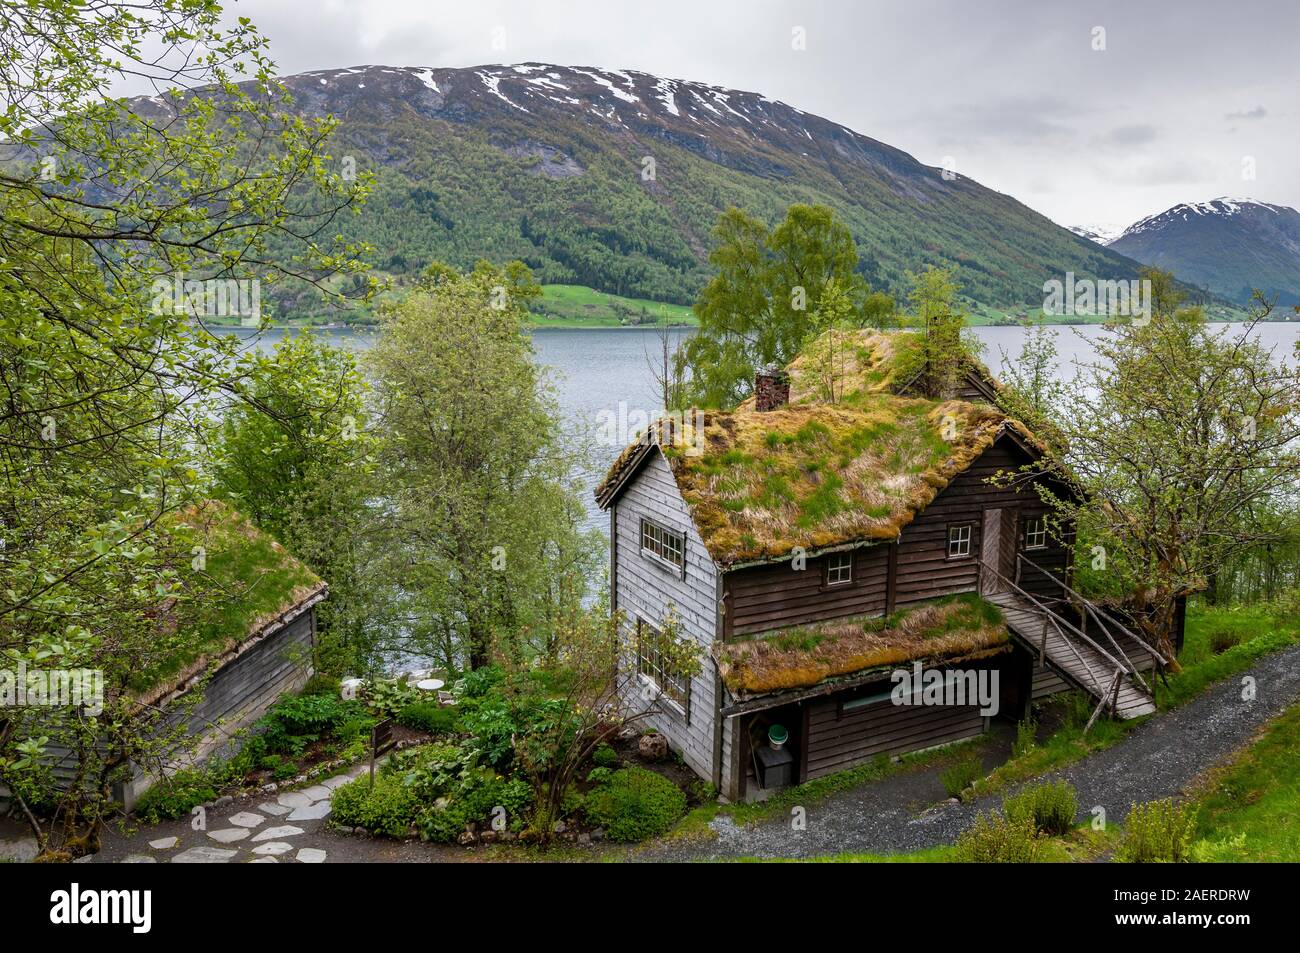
(248, 579)
(815, 475)
(947, 629)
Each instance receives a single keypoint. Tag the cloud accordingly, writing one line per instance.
(1259, 112)
(1135, 135)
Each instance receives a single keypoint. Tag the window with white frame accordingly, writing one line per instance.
(663, 544)
(839, 569)
(1036, 532)
(655, 662)
(959, 540)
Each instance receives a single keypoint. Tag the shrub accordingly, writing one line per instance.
(994, 839)
(475, 800)
(387, 808)
(174, 796)
(1159, 832)
(320, 684)
(961, 775)
(492, 726)
(605, 757)
(1026, 738)
(1224, 639)
(429, 717)
(598, 774)
(1049, 807)
(480, 681)
(1224, 850)
(634, 804)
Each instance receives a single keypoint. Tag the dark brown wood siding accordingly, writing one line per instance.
(771, 597)
(838, 740)
(924, 569)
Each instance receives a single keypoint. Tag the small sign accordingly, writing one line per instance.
(381, 741)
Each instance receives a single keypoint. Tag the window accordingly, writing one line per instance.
(1036, 532)
(959, 540)
(653, 663)
(839, 569)
(660, 543)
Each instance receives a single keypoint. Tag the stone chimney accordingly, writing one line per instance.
(771, 388)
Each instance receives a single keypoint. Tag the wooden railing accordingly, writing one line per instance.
(1107, 693)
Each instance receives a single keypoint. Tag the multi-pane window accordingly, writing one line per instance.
(839, 569)
(959, 540)
(663, 544)
(656, 661)
(1036, 532)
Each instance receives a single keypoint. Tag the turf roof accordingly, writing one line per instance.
(813, 474)
(248, 582)
(946, 631)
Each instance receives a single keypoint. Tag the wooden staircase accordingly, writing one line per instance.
(1101, 666)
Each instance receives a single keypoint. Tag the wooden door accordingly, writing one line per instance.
(992, 542)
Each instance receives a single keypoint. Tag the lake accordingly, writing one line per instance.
(604, 373)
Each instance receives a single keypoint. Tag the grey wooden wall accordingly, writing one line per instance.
(645, 589)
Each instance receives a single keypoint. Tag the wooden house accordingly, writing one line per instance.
(217, 671)
(812, 548)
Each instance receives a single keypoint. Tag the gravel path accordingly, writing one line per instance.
(1159, 759)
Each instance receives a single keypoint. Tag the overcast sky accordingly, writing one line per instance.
(1186, 101)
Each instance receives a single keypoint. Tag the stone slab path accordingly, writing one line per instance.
(291, 827)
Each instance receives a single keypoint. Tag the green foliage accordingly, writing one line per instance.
(960, 775)
(430, 717)
(174, 796)
(1157, 832)
(484, 521)
(388, 808)
(1026, 737)
(605, 757)
(1187, 438)
(634, 804)
(1050, 808)
(994, 839)
(111, 379)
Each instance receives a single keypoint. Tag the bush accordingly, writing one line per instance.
(475, 800)
(174, 796)
(1049, 807)
(1159, 832)
(320, 684)
(1026, 738)
(605, 757)
(429, 717)
(387, 808)
(994, 839)
(1224, 639)
(492, 726)
(960, 776)
(598, 774)
(634, 804)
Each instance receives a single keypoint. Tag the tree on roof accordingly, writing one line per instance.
(757, 309)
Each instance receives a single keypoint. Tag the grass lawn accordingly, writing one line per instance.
(1255, 630)
(577, 306)
(1252, 804)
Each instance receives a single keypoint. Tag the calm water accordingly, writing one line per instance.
(603, 374)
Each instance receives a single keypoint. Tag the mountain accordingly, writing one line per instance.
(1097, 234)
(1228, 246)
(613, 180)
